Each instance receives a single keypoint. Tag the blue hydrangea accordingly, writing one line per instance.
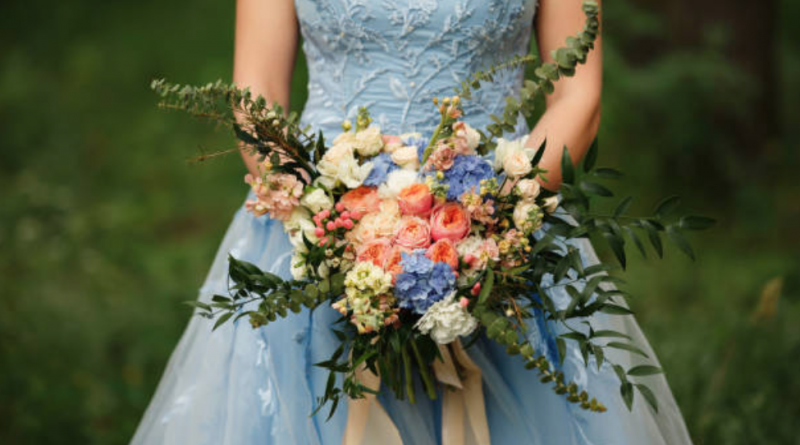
(382, 165)
(423, 282)
(467, 172)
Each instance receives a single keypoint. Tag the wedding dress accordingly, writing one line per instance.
(243, 386)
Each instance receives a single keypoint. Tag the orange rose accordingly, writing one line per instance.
(450, 221)
(363, 200)
(393, 258)
(443, 251)
(416, 199)
(375, 251)
(413, 233)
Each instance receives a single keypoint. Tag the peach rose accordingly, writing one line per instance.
(413, 233)
(375, 251)
(363, 200)
(416, 199)
(443, 251)
(393, 258)
(450, 221)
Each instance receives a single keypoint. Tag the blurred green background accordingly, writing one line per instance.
(105, 228)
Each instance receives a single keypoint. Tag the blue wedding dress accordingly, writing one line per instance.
(242, 386)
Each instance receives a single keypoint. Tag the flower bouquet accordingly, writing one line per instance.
(420, 241)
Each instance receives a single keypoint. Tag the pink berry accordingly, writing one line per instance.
(319, 232)
(339, 207)
(464, 302)
(348, 224)
(476, 289)
(345, 215)
(331, 226)
(355, 214)
(469, 259)
(324, 214)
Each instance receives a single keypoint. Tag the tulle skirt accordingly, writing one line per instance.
(239, 385)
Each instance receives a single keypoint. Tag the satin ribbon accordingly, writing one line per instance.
(463, 408)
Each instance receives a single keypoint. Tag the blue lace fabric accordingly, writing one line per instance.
(243, 386)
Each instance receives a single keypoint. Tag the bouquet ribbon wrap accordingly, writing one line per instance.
(463, 408)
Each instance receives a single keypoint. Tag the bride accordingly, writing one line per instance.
(244, 386)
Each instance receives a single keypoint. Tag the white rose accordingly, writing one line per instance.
(528, 188)
(369, 141)
(550, 204)
(339, 150)
(517, 164)
(471, 135)
(406, 157)
(346, 171)
(505, 148)
(391, 147)
(446, 320)
(527, 216)
(395, 182)
(317, 200)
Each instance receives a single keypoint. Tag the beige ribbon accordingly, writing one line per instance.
(463, 408)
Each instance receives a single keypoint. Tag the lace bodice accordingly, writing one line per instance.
(394, 56)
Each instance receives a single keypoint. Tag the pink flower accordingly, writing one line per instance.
(443, 251)
(276, 193)
(362, 200)
(476, 289)
(375, 251)
(413, 233)
(442, 157)
(450, 221)
(416, 199)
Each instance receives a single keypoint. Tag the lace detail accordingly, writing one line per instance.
(393, 56)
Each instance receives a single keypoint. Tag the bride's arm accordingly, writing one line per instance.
(573, 111)
(266, 46)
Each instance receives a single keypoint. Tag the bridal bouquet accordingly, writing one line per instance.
(421, 240)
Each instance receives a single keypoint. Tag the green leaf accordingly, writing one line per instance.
(635, 238)
(648, 396)
(591, 157)
(614, 309)
(654, 236)
(222, 319)
(626, 390)
(623, 207)
(539, 153)
(627, 347)
(567, 169)
(594, 188)
(667, 206)
(677, 238)
(562, 350)
(608, 173)
(617, 246)
(696, 223)
(486, 287)
(644, 370)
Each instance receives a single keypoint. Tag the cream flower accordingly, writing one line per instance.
(347, 171)
(527, 216)
(380, 224)
(342, 148)
(298, 267)
(528, 188)
(550, 204)
(406, 157)
(369, 142)
(317, 200)
(506, 147)
(397, 181)
(517, 164)
(469, 134)
(446, 320)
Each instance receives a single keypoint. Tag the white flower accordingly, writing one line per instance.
(395, 182)
(528, 189)
(446, 320)
(367, 279)
(550, 204)
(517, 164)
(300, 224)
(342, 148)
(506, 148)
(369, 142)
(346, 171)
(470, 134)
(298, 267)
(317, 200)
(406, 157)
(527, 216)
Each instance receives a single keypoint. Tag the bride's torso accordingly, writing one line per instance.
(394, 56)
